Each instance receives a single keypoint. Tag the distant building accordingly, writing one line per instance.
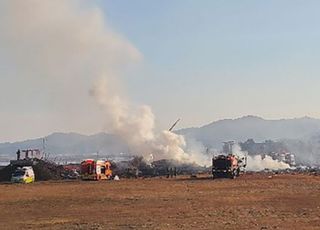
(277, 150)
(266, 147)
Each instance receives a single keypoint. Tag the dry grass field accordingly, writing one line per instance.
(250, 202)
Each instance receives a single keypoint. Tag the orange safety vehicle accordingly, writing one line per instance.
(95, 170)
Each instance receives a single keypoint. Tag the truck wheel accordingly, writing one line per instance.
(238, 172)
(233, 175)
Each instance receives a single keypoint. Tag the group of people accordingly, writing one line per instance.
(171, 172)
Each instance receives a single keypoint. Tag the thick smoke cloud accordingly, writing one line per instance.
(51, 52)
(135, 124)
(59, 51)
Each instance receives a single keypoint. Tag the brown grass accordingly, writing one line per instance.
(248, 202)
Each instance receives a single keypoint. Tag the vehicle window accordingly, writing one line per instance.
(18, 173)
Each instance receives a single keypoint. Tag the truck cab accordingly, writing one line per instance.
(23, 175)
(225, 166)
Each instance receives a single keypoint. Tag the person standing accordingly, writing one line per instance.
(18, 154)
(171, 172)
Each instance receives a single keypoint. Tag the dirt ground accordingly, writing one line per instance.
(249, 202)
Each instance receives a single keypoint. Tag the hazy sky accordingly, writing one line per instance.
(196, 60)
(213, 59)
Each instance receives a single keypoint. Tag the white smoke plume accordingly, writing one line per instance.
(258, 163)
(51, 52)
(56, 51)
(135, 124)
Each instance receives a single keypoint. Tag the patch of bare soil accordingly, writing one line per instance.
(249, 202)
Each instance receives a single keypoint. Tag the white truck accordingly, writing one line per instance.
(23, 175)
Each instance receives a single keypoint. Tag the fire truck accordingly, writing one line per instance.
(228, 166)
(95, 170)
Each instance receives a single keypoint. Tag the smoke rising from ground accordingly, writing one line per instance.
(51, 52)
(258, 163)
(136, 125)
(58, 51)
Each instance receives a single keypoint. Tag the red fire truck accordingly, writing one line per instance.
(95, 170)
(227, 166)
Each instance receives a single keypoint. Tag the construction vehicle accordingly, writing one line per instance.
(227, 166)
(23, 175)
(95, 170)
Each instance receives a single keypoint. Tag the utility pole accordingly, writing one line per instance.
(44, 147)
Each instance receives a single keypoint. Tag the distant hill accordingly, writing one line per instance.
(241, 129)
(293, 131)
(69, 144)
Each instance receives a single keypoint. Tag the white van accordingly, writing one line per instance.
(23, 175)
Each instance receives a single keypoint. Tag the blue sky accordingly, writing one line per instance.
(206, 60)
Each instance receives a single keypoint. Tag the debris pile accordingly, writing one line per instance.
(47, 170)
(162, 166)
(134, 168)
(6, 172)
(44, 170)
(138, 167)
(71, 171)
